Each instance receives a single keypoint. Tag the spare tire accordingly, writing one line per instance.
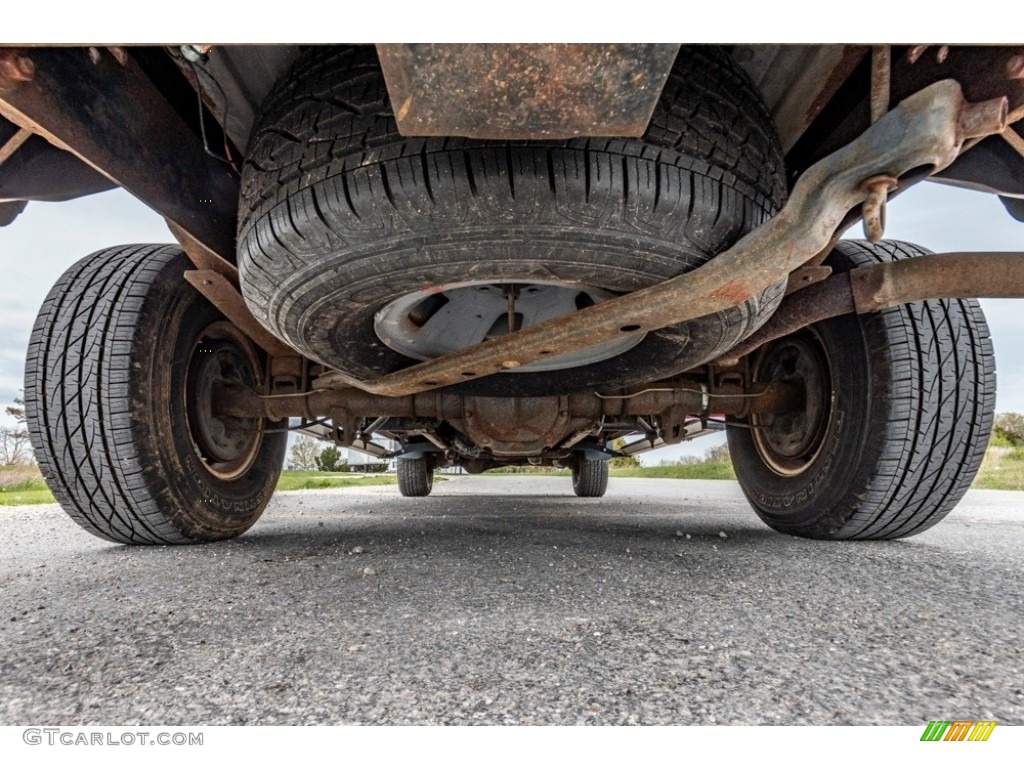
(369, 251)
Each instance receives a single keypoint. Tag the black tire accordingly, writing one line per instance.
(415, 477)
(904, 411)
(111, 395)
(590, 477)
(341, 215)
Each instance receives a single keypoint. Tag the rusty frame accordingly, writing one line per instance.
(687, 395)
(109, 114)
(225, 296)
(981, 70)
(926, 130)
(203, 257)
(1011, 137)
(881, 81)
(12, 144)
(511, 429)
(880, 286)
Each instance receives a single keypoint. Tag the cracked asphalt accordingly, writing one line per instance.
(506, 600)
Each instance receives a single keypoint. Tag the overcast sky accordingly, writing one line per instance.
(48, 237)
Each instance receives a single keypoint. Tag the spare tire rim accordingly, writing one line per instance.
(789, 443)
(435, 321)
(226, 445)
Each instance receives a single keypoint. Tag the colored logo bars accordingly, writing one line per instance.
(958, 730)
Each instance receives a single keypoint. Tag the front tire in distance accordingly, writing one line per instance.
(415, 477)
(897, 415)
(590, 477)
(118, 394)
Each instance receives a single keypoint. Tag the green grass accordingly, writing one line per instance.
(9, 498)
(705, 470)
(23, 485)
(1002, 470)
(298, 480)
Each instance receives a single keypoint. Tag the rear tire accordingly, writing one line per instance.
(415, 477)
(898, 413)
(590, 477)
(117, 395)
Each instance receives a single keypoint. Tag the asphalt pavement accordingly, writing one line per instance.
(507, 600)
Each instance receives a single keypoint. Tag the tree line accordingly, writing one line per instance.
(309, 454)
(15, 446)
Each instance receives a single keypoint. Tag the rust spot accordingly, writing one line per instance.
(404, 110)
(881, 78)
(735, 292)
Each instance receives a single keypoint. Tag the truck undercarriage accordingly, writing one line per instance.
(498, 255)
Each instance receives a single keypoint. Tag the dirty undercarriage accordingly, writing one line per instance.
(441, 245)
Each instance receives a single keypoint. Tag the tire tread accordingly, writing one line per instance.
(79, 372)
(930, 413)
(415, 477)
(590, 478)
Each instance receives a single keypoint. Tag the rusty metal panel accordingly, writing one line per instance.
(532, 91)
(111, 116)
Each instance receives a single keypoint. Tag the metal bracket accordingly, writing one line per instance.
(225, 297)
(879, 286)
(203, 257)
